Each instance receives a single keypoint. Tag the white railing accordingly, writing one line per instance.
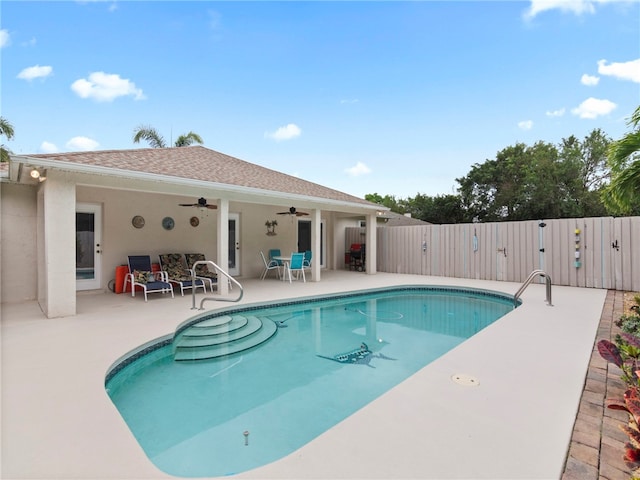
(526, 283)
(207, 299)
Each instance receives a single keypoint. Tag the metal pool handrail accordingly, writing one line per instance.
(526, 283)
(218, 269)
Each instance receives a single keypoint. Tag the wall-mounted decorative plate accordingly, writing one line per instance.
(137, 221)
(194, 221)
(168, 223)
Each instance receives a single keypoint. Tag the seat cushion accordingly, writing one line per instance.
(142, 276)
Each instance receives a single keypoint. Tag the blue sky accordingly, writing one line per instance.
(396, 98)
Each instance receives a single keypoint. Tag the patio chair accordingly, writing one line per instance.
(275, 252)
(175, 267)
(297, 265)
(141, 275)
(202, 271)
(268, 266)
(306, 263)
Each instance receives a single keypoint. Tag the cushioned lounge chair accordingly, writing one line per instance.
(175, 266)
(202, 270)
(141, 275)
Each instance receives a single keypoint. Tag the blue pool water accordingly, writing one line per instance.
(234, 413)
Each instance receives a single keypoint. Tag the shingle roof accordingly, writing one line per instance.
(393, 219)
(203, 164)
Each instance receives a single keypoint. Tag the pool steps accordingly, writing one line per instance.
(224, 335)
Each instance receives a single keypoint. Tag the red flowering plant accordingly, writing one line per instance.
(625, 354)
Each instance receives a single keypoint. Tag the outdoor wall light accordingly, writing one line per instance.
(37, 175)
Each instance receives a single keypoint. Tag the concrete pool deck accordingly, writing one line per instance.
(518, 422)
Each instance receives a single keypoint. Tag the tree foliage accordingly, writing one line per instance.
(539, 181)
(522, 183)
(6, 129)
(388, 201)
(155, 140)
(440, 209)
(622, 195)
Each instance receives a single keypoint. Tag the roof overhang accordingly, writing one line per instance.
(21, 166)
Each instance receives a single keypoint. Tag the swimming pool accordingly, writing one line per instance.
(330, 357)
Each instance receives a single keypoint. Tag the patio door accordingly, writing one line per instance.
(234, 244)
(304, 238)
(88, 246)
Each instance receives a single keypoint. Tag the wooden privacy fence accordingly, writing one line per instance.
(601, 252)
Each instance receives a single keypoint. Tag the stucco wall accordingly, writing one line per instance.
(18, 257)
(120, 238)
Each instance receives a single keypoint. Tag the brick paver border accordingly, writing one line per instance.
(597, 443)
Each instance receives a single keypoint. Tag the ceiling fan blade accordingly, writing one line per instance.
(212, 207)
(188, 204)
(301, 214)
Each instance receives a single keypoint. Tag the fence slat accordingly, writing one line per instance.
(477, 251)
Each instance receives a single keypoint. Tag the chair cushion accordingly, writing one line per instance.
(201, 270)
(175, 267)
(142, 276)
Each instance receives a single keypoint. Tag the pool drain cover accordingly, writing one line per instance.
(466, 380)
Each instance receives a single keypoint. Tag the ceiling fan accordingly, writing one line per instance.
(292, 211)
(202, 203)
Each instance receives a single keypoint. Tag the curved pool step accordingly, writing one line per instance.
(216, 330)
(216, 340)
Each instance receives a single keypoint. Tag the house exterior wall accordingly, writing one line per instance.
(21, 227)
(120, 238)
(18, 247)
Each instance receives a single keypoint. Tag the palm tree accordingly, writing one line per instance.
(623, 158)
(151, 135)
(6, 129)
(188, 139)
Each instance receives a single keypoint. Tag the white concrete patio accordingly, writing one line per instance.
(58, 422)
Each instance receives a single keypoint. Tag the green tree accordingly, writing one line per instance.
(155, 140)
(584, 169)
(539, 181)
(440, 209)
(6, 129)
(622, 195)
(388, 201)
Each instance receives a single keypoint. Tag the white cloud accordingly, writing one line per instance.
(594, 108)
(36, 71)
(48, 147)
(105, 87)
(525, 125)
(623, 70)
(284, 133)
(5, 40)
(589, 80)
(82, 144)
(556, 113)
(575, 6)
(358, 169)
